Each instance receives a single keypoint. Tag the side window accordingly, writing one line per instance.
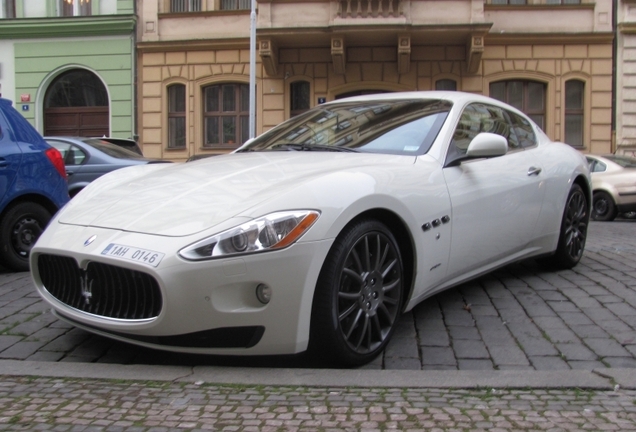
(523, 130)
(71, 154)
(478, 118)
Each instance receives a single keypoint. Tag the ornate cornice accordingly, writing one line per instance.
(31, 28)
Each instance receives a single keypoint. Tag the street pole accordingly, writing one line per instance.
(253, 70)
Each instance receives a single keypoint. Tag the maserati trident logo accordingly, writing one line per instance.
(86, 287)
(90, 240)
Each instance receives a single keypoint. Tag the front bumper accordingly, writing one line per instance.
(208, 307)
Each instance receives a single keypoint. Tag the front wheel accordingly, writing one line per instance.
(603, 207)
(576, 217)
(20, 228)
(358, 296)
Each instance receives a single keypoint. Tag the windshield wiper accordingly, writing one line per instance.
(311, 147)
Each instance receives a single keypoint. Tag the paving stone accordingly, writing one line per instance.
(548, 363)
(474, 364)
(576, 351)
(463, 332)
(605, 347)
(438, 356)
(470, 349)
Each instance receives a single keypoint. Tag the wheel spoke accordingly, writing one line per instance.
(363, 332)
(356, 260)
(367, 254)
(354, 323)
(353, 275)
(392, 285)
(348, 312)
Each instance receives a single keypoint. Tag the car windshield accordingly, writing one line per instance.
(406, 127)
(624, 161)
(112, 149)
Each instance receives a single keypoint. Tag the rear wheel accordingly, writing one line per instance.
(358, 297)
(20, 228)
(573, 234)
(603, 207)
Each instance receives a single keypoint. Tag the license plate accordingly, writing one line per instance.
(135, 254)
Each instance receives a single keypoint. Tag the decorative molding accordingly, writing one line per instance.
(269, 56)
(338, 54)
(67, 27)
(404, 54)
(474, 52)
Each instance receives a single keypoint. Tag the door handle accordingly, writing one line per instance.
(534, 171)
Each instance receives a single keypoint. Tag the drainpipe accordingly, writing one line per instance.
(134, 63)
(614, 69)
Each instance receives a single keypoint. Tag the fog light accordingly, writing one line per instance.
(263, 293)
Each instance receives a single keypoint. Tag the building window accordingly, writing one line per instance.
(526, 96)
(446, 84)
(71, 8)
(185, 5)
(235, 4)
(176, 116)
(563, 2)
(299, 97)
(226, 115)
(574, 105)
(9, 9)
(509, 2)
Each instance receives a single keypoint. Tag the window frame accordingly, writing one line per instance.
(176, 115)
(238, 114)
(525, 102)
(189, 6)
(569, 111)
(9, 12)
(75, 7)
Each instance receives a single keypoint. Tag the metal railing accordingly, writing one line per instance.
(185, 5)
(369, 8)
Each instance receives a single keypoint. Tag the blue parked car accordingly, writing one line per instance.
(32, 186)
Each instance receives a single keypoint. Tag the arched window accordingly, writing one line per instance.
(176, 116)
(76, 103)
(446, 84)
(574, 106)
(526, 96)
(299, 97)
(226, 115)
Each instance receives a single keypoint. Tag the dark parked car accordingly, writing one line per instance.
(32, 186)
(89, 158)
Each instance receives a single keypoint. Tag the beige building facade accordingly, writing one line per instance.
(550, 58)
(626, 78)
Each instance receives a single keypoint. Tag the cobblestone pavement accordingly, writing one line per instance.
(520, 317)
(54, 404)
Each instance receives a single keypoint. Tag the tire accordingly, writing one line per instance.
(20, 227)
(576, 218)
(358, 297)
(603, 207)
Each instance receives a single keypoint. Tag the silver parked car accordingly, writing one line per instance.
(614, 185)
(89, 158)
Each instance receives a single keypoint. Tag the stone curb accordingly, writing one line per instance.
(597, 379)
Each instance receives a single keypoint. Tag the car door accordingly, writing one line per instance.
(495, 201)
(10, 156)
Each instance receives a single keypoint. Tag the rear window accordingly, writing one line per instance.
(624, 161)
(112, 150)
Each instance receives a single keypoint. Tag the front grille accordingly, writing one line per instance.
(101, 289)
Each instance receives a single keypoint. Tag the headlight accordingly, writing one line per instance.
(274, 231)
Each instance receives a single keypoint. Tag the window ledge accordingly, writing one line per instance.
(229, 12)
(526, 7)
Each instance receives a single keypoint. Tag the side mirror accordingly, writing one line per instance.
(487, 144)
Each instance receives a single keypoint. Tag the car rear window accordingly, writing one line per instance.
(624, 161)
(112, 149)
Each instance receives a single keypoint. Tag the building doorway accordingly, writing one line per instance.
(76, 104)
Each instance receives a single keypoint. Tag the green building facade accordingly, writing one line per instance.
(69, 65)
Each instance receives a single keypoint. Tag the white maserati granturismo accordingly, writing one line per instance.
(318, 234)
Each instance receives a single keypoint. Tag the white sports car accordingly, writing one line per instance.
(317, 234)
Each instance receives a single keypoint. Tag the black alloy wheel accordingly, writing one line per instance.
(20, 228)
(603, 207)
(576, 217)
(358, 297)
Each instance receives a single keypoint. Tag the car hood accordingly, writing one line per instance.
(184, 199)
